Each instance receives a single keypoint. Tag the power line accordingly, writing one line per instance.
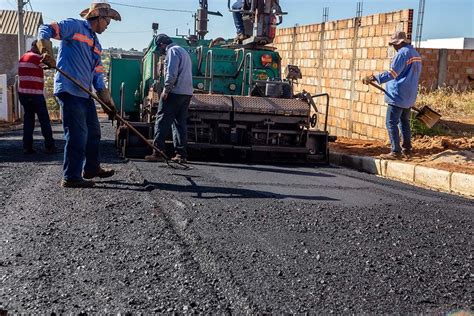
(48, 18)
(150, 8)
(128, 32)
(11, 4)
(148, 31)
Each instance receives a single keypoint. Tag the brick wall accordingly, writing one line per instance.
(335, 56)
(447, 68)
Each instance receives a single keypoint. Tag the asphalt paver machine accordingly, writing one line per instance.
(242, 105)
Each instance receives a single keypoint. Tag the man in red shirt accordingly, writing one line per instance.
(30, 93)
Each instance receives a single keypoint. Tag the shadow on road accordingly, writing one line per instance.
(271, 168)
(204, 192)
(11, 150)
(214, 192)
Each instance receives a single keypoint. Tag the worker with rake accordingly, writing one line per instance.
(80, 54)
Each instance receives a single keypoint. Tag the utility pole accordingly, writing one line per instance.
(21, 28)
(325, 14)
(21, 45)
(419, 25)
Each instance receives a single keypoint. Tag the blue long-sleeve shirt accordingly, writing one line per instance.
(79, 55)
(178, 71)
(402, 78)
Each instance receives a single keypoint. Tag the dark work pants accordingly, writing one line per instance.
(398, 119)
(173, 113)
(35, 104)
(82, 135)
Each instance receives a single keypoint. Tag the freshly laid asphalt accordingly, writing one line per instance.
(226, 238)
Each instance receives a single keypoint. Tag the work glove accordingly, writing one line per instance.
(368, 79)
(45, 48)
(109, 109)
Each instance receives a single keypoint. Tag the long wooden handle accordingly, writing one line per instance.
(385, 91)
(377, 86)
(119, 118)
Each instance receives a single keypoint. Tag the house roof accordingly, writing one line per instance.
(9, 22)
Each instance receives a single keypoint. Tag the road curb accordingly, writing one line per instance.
(435, 179)
(11, 128)
(18, 127)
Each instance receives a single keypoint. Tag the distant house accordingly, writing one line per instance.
(9, 39)
(449, 43)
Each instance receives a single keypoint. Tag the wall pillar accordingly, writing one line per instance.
(442, 67)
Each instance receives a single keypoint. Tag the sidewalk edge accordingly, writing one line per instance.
(418, 175)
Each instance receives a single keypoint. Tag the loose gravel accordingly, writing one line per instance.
(224, 238)
(101, 250)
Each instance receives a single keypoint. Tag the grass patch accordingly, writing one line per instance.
(447, 101)
(418, 128)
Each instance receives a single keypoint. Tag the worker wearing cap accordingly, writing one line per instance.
(174, 100)
(80, 56)
(402, 89)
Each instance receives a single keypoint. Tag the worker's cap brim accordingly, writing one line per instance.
(105, 12)
(398, 41)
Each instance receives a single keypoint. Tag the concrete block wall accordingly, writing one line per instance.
(430, 71)
(447, 68)
(335, 56)
(460, 65)
(9, 60)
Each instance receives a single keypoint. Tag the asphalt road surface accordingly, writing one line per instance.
(227, 238)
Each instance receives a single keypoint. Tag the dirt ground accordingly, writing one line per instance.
(452, 153)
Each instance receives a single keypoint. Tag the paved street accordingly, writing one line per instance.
(227, 238)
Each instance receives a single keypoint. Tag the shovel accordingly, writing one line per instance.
(121, 119)
(426, 115)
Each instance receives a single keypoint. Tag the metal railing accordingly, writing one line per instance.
(209, 73)
(247, 66)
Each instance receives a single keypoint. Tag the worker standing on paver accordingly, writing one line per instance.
(401, 92)
(80, 55)
(31, 95)
(174, 100)
(238, 21)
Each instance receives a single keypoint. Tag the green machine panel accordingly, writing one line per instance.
(127, 71)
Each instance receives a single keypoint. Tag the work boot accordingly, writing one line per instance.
(179, 159)
(155, 157)
(407, 153)
(77, 183)
(391, 156)
(29, 151)
(100, 173)
(239, 38)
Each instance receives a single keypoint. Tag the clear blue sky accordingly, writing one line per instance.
(443, 18)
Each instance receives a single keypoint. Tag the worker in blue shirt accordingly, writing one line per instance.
(80, 55)
(174, 100)
(401, 92)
